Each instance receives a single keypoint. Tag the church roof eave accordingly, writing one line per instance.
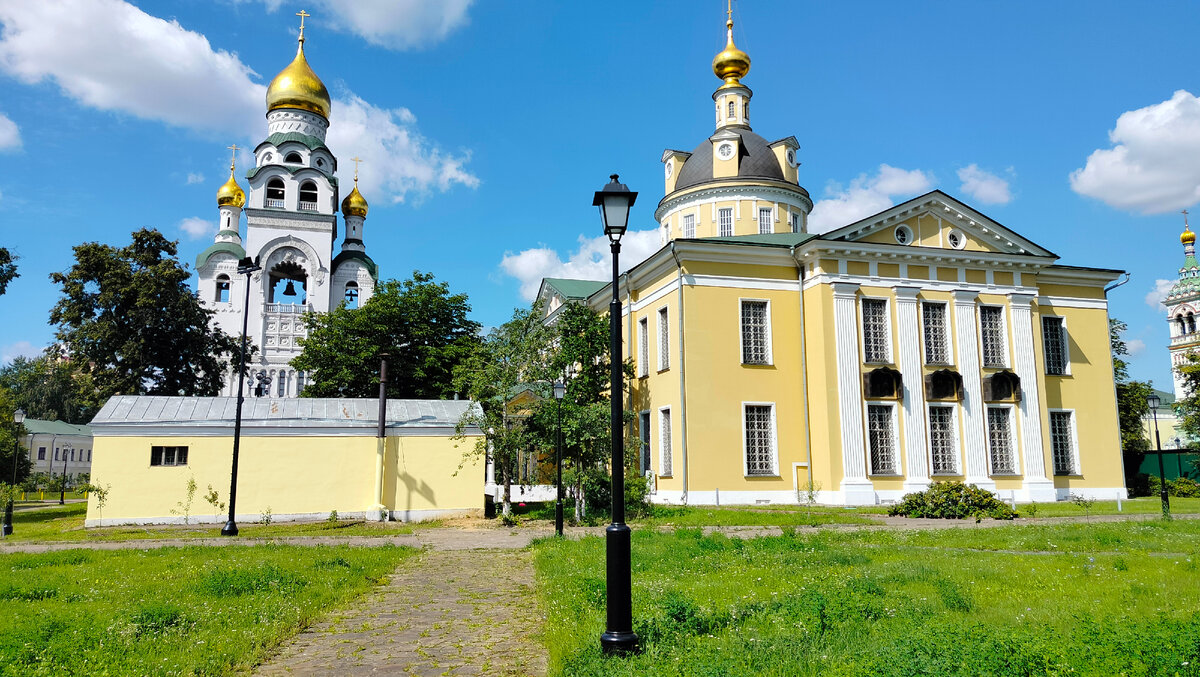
(293, 171)
(227, 247)
(361, 257)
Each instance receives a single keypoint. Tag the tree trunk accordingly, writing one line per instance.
(506, 506)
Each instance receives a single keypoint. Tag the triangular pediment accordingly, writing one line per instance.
(936, 220)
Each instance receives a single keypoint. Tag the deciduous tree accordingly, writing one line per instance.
(8, 268)
(50, 389)
(1131, 395)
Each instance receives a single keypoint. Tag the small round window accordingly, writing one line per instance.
(956, 238)
(903, 234)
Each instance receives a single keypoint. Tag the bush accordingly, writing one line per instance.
(952, 500)
(1180, 487)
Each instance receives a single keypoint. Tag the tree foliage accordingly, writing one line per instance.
(10, 437)
(1187, 410)
(50, 389)
(8, 268)
(129, 319)
(1131, 395)
(418, 322)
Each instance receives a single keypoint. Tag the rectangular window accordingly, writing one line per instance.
(756, 333)
(41, 453)
(991, 333)
(943, 442)
(881, 434)
(1000, 441)
(89, 452)
(56, 453)
(72, 455)
(1062, 443)
(664, 341)
(168, 455)
(875, 331)
(725, 222)
(1054, 342)
(796, 222)
(760, 440)
(643, 347)
(937, 348)
(689, 225)
(644, 431)
(765, 220)
(664, 441)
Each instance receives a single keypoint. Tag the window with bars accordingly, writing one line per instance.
(991, 333)
(731, 109)
(881, 434)
(689, 225)
(1062, 443)
(725, 222)
(644, 431)
(1054, 342)
(875, 331)
(1000, 437)
(664, 341)
(760, 440)
(643, 347)
(795, 223)
(937, 348)
(168, 455)
(664, 441)
(765, 220)
(943, 443)
(756, 347)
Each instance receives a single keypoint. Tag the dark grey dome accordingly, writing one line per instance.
(757, 161)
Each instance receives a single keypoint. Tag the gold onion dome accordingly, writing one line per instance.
(231, 194)
(355, 204)
(297, 86)
(1187, 236)
(731, 64)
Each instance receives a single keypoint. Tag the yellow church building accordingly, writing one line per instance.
(924, 343)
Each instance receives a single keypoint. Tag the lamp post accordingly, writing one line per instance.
(560, 389)
(246, 267)
(614, 201)
(18, 419)
(1154, 400)
(62, 487)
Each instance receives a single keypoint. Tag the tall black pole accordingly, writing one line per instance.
(558, 508)
(618, 637)
(62, 488)
(230, 528)
(1162, 480)
(8, 507)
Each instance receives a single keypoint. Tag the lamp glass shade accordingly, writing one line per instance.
(19, 416)
(614, 201)
(560, 389)
(1153, 401)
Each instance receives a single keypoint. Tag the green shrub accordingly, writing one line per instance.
(952, 500)
(1180, 487)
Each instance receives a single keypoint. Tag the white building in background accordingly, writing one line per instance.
(56, 447)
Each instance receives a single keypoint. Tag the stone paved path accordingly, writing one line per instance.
(445, 612)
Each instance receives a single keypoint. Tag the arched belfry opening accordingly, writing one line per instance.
(288, 283)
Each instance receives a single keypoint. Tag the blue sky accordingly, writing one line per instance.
(486, 126)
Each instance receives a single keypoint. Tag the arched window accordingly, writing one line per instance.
(293, 157)
(1191, 323)
(281, 390)
(351, 294)
(731, 109)
(275, 192)
(746, 111)
(222, 288)
(1182, 325)
(308, 196)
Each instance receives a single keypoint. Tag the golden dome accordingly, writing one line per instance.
(355, 204)
(1187, 236)
(231, 194)
(732, 64)
(297, 86)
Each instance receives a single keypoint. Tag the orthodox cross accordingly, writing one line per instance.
(233, 155)
(302, 14)
(356, 161)
(1185, 213)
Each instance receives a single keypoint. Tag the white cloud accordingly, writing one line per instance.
(984, 186)
(866, 195)
(10, 136)
(591, 261)
(12, 351)
(1135, 347)
(194, 177)
(195, 227)
(1152, 166)
(1156, 296)
(397, 24)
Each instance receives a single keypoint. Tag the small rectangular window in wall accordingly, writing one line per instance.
(1000, 441)
(1062, 443)
(725, 222)
(875, 331)
(1054, 342)
(689, 225)
(765, 220)
(760, 440)
(644, 432)
(41, 453)
(937, 349)
(168, 455)
(991, 333)
(943, 442)
(664, 441)
(795, 222)
(643, 347)
(664, 340)
(756, 345)
(881, 433)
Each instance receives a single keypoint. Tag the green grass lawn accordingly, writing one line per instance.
(712, 516)
(1093, 599)
(171, 611)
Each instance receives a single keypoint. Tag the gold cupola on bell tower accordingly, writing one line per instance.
(297, 86)
(731, 64)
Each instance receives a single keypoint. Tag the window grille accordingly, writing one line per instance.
(168, 455)
(1062, 443)
(991, 325)
(664, 440)
(759, 441)
(725, 222)
(942, 445)
(764, 221)
(795, 223)
(643, 347)
(1054, 340)
(936, 348)
(755, 333)
(875, 330)
(1000, 441)
(41, 453)
(644, 431)
(882, 438)
(731, 109)
(689, 225)
(664, 341)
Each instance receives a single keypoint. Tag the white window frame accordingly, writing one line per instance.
(954, 433)
(1066, 346)
(1014, 457)
(1076, 465)
(664, 339)
(795, 222)
(689, 225)
(721, 213)
(1005, 362)
(770, 221)
(887, 328)
(947, 347)
(895, 427)
(643, 347)
(665, 465)
(644, 446)
(741, 333)
(774, 441)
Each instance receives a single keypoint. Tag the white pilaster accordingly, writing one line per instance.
(974, 429)
(908, 333)
(1038, 487)
(856, 488)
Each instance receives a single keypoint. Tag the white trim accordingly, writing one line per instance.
(685, 198)
(1076, 462)
(1037, 485)
(1069, 302)
(1006, 356)
(1014, 457)
(887, 329)
(644, 437)
(666, 464)
(974, 433)
(741, 334)
(849, 374)
(926, 285)
(1066, 345)
(740, 282)
(1098, 493)
(908, 235)
(663, 324)
(954, 432)
(909, 330)
(267, 429)
(947, 346)
(774, 441)
(643, 347)
(250, 518)
(895, 435)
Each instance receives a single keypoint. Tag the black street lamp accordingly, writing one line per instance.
(614, 201)
(18, 419)
(246, 267)
(560, 389)
(1154, 401)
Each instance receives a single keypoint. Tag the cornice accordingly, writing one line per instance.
(732, 187)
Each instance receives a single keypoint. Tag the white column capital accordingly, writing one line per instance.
(1021, 300)
(963, 297)
(844, 289)
(907, 293)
